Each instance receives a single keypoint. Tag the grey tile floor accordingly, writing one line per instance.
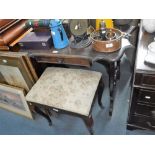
(13, 124)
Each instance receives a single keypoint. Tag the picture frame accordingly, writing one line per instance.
(17, 70)
(13, 99)
(30, 66)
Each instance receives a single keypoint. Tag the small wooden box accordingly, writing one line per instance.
(36, 41)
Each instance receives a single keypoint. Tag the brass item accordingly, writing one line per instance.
(110, 35)
(112, 43)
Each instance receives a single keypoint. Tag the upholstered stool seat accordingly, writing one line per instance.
(70, 90)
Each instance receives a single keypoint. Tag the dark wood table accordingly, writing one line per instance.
(86, 57)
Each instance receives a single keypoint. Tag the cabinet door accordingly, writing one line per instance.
(144, 110)
(144, 96)
(147, 80)
(143, 122)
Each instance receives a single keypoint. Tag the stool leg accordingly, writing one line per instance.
(100, 92)
(54, 114)
(51, 113)
(89, 124)
(46, 116)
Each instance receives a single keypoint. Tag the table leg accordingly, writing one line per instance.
(113, 77)
(89, 124)
(118, 69)
(100, 92)
(45, 115)
(113, 70)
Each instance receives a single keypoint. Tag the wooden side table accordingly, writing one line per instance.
(85, 57)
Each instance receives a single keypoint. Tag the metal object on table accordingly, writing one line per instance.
(59, 36)
(113, 39)
(83, 43)
(110, 35)
(102, 30)
(78, 28)
(107, 45)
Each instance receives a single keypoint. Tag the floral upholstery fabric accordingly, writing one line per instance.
(67, 89)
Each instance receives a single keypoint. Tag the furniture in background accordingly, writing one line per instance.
(84, 57)
(13, 99)
(142, 103)
(44, 98)
(123, 25)
(17, 76)
(66, 90)
(87, 56)
(11, 31)
(17, 70)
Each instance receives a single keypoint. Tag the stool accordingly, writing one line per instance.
(66, 90)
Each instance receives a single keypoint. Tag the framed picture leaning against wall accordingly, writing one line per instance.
(13, 99)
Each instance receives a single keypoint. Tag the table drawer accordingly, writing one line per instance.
(146, 96)
(143, 122)
(145, 80)
(144, 110)
(63, 60)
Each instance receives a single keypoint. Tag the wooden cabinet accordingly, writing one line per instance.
(142, 102)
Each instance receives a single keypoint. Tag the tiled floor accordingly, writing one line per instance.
(11, 123)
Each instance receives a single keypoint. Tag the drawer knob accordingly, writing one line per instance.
(147, 97)
(60, 60)
(4, 61)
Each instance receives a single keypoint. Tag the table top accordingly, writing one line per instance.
(72, 90)
(87, 53)
(143, 41)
